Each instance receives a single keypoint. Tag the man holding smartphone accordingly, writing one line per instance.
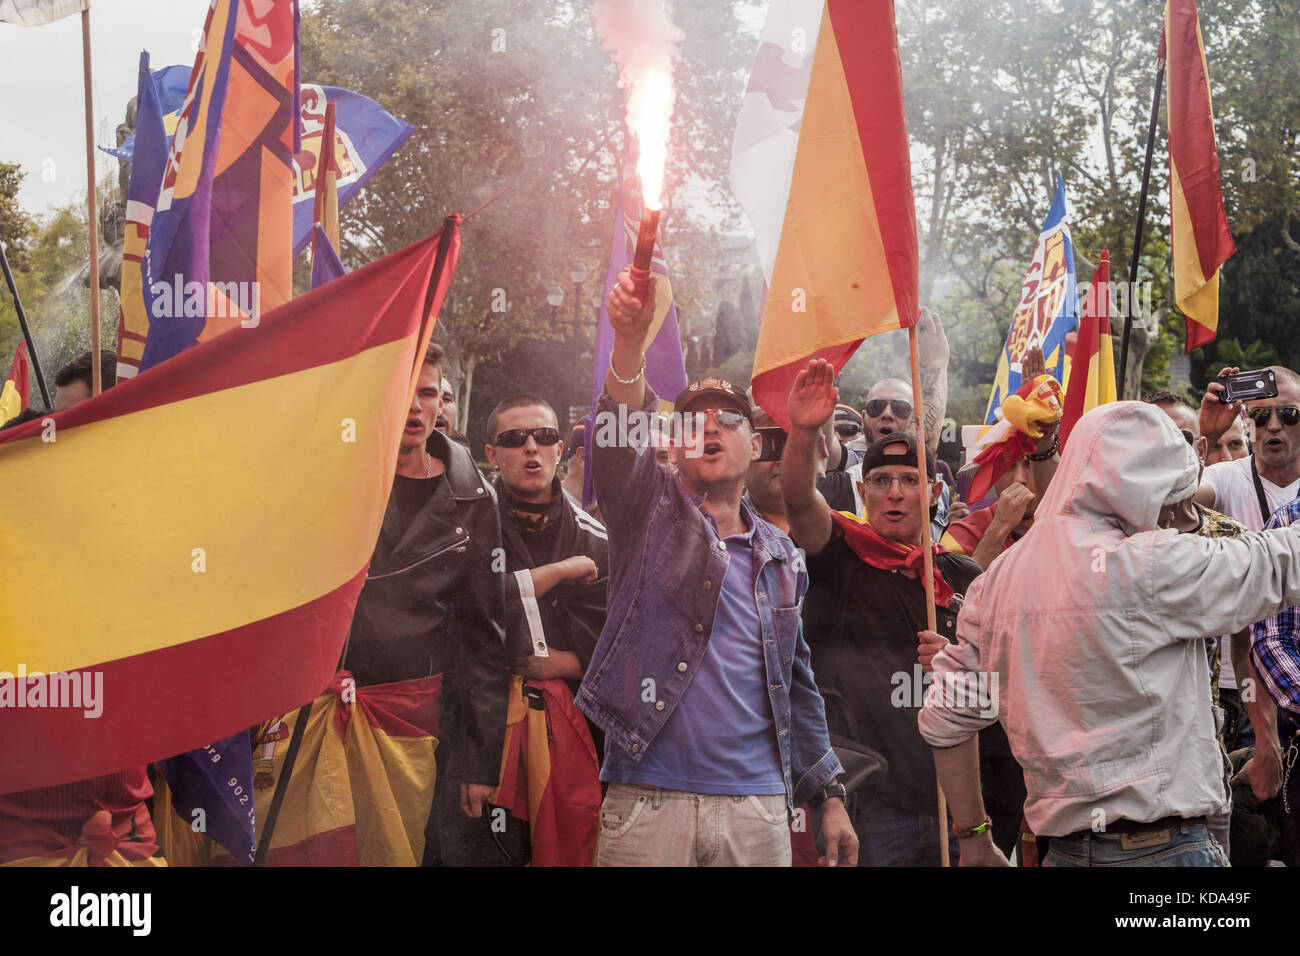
(1252, 488)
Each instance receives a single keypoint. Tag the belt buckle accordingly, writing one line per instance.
(1145, 840)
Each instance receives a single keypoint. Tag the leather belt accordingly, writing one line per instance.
(1130, 826)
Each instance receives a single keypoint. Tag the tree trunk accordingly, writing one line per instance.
(1139, 344)
(466, 386)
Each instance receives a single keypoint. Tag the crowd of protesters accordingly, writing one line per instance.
(735, 627)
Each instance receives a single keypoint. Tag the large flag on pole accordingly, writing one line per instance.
(325, 264)
(220, 249)
(35, 13)
(1047, 310)
(230, 602)
(1199, 234)
(846, 263)
(150, 159)
(366, 136)
(1092, 360)
(176, 261)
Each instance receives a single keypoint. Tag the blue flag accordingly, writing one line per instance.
(217, 781)
(1047, 310)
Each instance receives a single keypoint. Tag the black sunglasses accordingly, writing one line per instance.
(876, 407)
(1288, 415)
(847, 430)
(518, 437)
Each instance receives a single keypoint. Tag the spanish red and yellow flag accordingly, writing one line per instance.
(191, 543)
(550, 775)
(1092, 360)
(325, 212)
(360, 786)
(1199, 233)
(846, 264)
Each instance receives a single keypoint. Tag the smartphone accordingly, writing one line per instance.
(1245, 386)
(773, 443)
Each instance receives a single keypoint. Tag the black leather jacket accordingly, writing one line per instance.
(571, 615)
(434, 603)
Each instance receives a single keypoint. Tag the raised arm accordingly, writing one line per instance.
(1215, 419)
(625, 478)
(812, 401)
(631, 319)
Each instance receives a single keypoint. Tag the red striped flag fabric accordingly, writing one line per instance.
(261, 462)
(1199, 235)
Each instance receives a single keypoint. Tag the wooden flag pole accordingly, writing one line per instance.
(96, 373)
(927, 551)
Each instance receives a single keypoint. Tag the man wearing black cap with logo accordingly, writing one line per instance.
(714, 728)
(864, 612)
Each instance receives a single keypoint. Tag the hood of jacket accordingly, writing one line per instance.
(1124, 462)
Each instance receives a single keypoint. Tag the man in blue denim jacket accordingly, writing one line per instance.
(701, 680)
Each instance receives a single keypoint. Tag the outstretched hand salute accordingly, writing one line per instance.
(813, 395)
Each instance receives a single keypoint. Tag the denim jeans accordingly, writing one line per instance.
(888, 836)
(1190, 845)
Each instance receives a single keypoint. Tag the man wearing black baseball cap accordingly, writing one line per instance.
(864, 612)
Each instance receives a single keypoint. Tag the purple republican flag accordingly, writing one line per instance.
(665, 369)
(176, 261)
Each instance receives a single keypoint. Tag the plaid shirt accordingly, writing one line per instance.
(1216, 525)
(1275, 642)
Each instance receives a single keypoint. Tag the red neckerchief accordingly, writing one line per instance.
(888, 555)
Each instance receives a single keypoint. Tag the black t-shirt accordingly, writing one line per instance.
(837, 488)
(860, 623)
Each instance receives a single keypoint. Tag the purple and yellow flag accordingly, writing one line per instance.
(220, 249)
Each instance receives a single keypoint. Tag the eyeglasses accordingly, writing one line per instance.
(518, 437)
(1191, 439)
(847, 431)
(724, 417)
(876, 407)
(1288, 415)
(885, 482)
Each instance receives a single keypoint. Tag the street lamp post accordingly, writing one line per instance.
(579, 275)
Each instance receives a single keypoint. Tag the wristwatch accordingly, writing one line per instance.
(828, 791)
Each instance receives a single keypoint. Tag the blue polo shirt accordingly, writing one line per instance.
(721, 738)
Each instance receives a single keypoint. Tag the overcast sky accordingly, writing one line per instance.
(42, 109)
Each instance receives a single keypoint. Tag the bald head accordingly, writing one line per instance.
(888, 408)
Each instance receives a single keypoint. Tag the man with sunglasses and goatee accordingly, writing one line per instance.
(714, 728)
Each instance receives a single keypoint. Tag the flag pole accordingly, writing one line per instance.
(97, 385)
(1142, 212)
(27, 331)
(927, 551)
